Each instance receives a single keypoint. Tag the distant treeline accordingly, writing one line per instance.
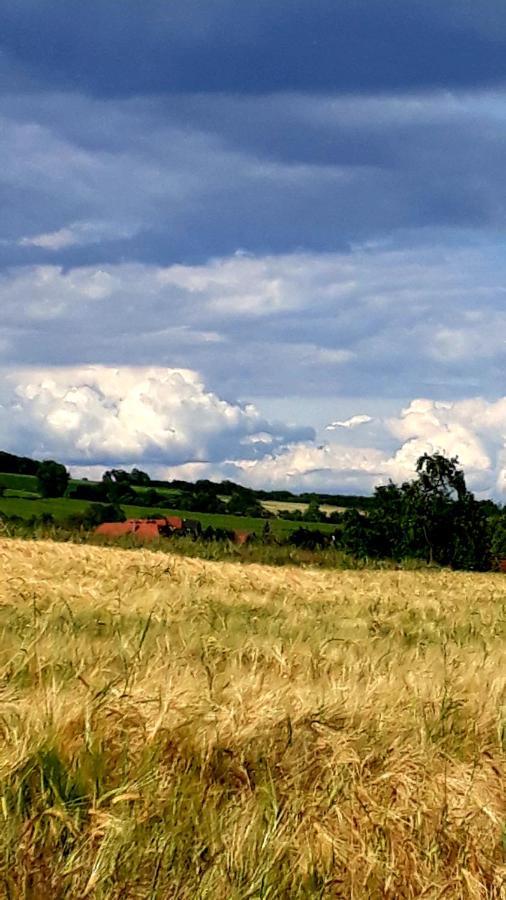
(205, 493)
(433, 518)
(17, 465)
(227, 488)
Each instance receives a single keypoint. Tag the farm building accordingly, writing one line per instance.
(165, 526)
(144, 529)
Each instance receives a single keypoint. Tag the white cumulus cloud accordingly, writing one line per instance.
(77, 234)
(168, 421)
(352, 422)
(474, 430)
(102, 414)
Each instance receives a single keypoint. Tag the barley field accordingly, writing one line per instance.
(175, 728)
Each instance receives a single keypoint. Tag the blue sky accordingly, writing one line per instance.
(254, 240)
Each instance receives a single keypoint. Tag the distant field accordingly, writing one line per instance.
(61, 508)
(18, 482)
(26, 506)
(168, 492)
(173, 728)
(276, 506)
(220, 520)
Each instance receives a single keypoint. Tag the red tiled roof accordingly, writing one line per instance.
(147, 529)
(114, 529)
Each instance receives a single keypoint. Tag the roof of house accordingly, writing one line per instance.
(143, 528)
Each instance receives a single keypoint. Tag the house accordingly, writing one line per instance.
(165, 526)
(144, 529)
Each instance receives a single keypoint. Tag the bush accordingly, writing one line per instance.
(93, 491)
(94, 515)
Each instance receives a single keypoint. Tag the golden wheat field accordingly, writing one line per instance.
(175, 728)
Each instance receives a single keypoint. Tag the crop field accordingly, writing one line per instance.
(176, 728)
(277, 506)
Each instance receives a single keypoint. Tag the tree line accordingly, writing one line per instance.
(434, 517)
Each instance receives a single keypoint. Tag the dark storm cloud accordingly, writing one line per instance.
(131, 47)
(187, 178)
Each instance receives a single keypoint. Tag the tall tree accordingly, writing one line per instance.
(52, 478)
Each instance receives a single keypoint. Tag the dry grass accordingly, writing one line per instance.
(176, 728)
(276, 506)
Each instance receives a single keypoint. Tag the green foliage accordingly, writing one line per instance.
(313, 512)
(152, 497)
(96, 492)
(291, 515)
(138, 477)
(95, 514)
(355, 534)
(20, 465)
(242, 504)
(14, 482)
(498, 537)
(434, 518)
(52, 479)
(202, 501)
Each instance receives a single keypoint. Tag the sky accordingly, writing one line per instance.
(254, 240)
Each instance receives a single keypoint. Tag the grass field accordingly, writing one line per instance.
(175, 728)
(18, 482)
(279, 527)
(62, 508)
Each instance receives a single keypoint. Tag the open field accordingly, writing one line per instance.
(59, 507)
(278, 527)
(277, 506)
(23, 505)
(16, 482)
(62, 507)
(175, 728)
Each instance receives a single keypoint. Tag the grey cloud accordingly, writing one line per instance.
(312, 324)
(120, 49)
(190, 177)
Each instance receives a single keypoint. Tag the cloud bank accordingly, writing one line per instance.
(105, 415)
(374, 321)
(474, 430)
(168, 422)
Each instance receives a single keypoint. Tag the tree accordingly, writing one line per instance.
(242, 503)
(118, 487)
(96, 492)
(453, 524)
(355, 534)
(139, 477)
(118, 476)
(434, 517)
(498, 537)
(52, 479)
(441, 477)
(313, 512)
(151, 497)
